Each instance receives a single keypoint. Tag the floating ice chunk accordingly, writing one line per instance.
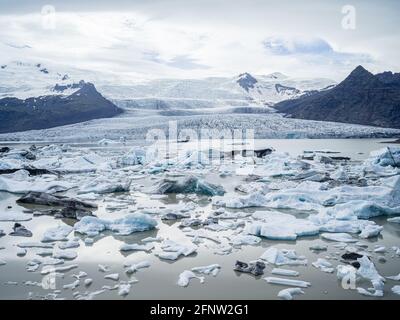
(368, 271)
(380, 249)
(112, 276)
(14, 216)
(172, 250)
(253, 200)
(186, 276)
(287, 294)
(189, 184)
(396, 278)
(35, 245)
(21, 182)
(376, 293)
(287, 282)
(254, 267)
(318, 247)
(72, 285)
(339, 237)
(152, 239)
(394, 220)
(80, 275)
(242, 239)
(103, 268)
(281, 226)
(396, 290)
(136, 247)
(370, 231)
(282, 256)
(88, 281)
(389, 156)
(2, 262)
(211, 269)
(124, 289)
(285, 272)
(323, 265)
(134, 222)
(68, 244)
(65, 254)
(59, 233)
(135, 267)
(102, 186)
(21, 252)
(50, 269)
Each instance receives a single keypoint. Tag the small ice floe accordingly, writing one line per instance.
(256, 268)
(11, 283)
(287, 282)
(191, 184)
(283, 256)
(103, 268)
(380, 249)
(21, 182)
(370, 231)
(88, 281)
(204, 234)
(212, 269)
(256, 199)
(36, 245)
(14, 216)
(88, 241)
(20, 231)
(280, 226)
(186, 276)
(80, 275)
(318, 247)
(2, 233)
(136, 247)
(174, 216)
(46, 199)
(368, 271)
(287, 294)
(101, 185)
(323, 265)
(21, 252)
(285, 272)
(124, 289)
(130, 223)
(112, 276)
(59, 233)
(152, 239)
(50, 269)
(243, 239)
(132, 268)
(339, 237)
(2, 262)
(394, 220)
(173, 250)
(396, 278)
(65, 254)
(396, 290)
(89, 295)
(72, 285)
(69, 244)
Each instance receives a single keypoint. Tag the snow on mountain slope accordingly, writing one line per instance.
(31, 79)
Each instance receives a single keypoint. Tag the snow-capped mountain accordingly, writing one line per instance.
(23, 80)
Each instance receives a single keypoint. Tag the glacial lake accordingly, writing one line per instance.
(159, 280)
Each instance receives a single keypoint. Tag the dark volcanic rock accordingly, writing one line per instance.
(46, 199)
(362, 98)
(55, 110)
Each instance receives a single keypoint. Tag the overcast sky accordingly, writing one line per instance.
(184, 38)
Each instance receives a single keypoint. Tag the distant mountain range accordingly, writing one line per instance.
(361, 98)
(55, 110)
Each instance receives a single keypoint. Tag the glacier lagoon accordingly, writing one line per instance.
(218, 241)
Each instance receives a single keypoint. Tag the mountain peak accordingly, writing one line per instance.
(246, 81)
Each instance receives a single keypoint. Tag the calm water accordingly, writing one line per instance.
(159, 281)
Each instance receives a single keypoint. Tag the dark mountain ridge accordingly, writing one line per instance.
(361, 98)
(55, 110)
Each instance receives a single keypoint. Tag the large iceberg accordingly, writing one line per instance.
(134, 222)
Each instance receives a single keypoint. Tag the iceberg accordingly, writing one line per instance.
(212, 269)
(323, 265)
(59, 233)
(186, 276)
(190, 184)
(284, 272)
(287, 282)
(339, 237)
(287, 294)
(283, 257)
(134, 222)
